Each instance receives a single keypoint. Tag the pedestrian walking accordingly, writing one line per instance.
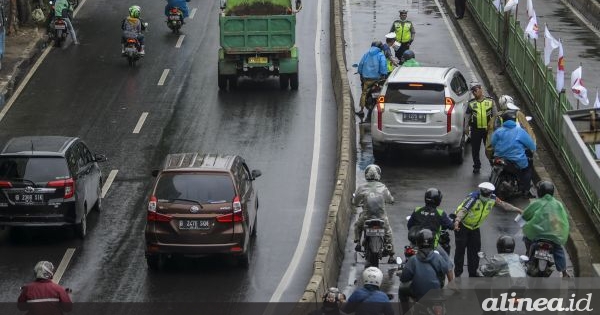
(480, 110)
(405, 33)
(460, 6)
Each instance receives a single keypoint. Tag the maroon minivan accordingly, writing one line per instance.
(201, 204)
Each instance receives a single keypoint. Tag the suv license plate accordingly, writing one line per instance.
(544, 254)
(375, 232)
(414, 117)
(29, 198)
(194, 225)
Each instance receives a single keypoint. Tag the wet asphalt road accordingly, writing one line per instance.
(406, 173)
(89, 91)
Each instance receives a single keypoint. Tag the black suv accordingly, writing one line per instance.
(49, 181)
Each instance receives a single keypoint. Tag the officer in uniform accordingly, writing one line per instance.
(389, 50)
(480, 110)
(405, 33)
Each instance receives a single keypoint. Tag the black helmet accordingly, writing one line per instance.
(509, 115)
(412, 235)
(425, 239)
(378, 44)
(332, 298)
(408, 55)
(545, 187)
(505, 244)
(433, 197)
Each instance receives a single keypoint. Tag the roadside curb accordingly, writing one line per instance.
(482, 53)
(588, 8)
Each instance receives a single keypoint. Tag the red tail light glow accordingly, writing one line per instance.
(68, 184)
(174, 11)
(545, 246)
(438, 310)
(449, 107)
(380, 110)
(153, 215)
(5, 184)
(236, 216)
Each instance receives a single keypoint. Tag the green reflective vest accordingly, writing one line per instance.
(390, 65)
(403, 34)
(481, 112)
(438, 232)
(478, 212)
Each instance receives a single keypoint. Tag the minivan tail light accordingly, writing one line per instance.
(5, 184)
(237, 205)
(68, 184)
(152, 203)
(448, 108)
(153, 216)
(380, 110)
(236, 216)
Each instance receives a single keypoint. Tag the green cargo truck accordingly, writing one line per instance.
(258, 41)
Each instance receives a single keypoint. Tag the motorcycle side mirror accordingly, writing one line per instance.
(528, 118)
(481, 254)
(408, 217)
(355, 65)
(524, 258)
(390, 296)
(398, 260)
(146, 24)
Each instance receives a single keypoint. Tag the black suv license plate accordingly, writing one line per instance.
(414, 117)
(194, 225)
(29, 198)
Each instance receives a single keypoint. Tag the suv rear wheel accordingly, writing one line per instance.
(98, 205)
(81, 227)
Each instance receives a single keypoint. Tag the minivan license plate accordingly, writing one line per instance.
(413, 117)
(194, 225)
(29, 198)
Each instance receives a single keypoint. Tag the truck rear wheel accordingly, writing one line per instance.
(222, 82)
(294, 81)
(284, 81)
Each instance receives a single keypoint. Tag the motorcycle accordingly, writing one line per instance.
(175, 20)
(505, 177)
(541, 259)
(372, 97)
(444, 240)
(499, 267)
(60, 31)
(373, 241)
(132, 49)
(433, 305)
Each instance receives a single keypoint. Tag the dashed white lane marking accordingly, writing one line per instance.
(140, 122)
(193, 13)
(163, 77)
(179, 41)
(60, 270)
(109, 181)
(597, 269)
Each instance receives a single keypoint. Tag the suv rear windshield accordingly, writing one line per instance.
(36, 169)
(415, 93)
(200, 187)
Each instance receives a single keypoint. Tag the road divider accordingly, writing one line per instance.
(140, 122)
(163, 77)
(109, 181)
(64, 263)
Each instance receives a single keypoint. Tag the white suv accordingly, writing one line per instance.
(421, 107)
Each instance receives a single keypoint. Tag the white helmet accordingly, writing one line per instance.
(43, 270)
(372, 275)
(504, 100)
(486, 188)
(372, 172)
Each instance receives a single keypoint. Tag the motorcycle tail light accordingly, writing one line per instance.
(545, 246)
(131, 41)
(498, 161)
(438, 310)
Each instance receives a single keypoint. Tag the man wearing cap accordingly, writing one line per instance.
(470, 215)
(480, 110)
(405, 33)
(389, 50)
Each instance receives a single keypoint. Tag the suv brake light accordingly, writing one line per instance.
(153, 215)
(68, 184)
(448, 108)
(5, 184)
(236, 216)
(380, 110)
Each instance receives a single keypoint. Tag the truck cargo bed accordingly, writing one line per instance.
(262, 33)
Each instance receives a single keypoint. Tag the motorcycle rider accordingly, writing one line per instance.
(506, 263)
(64, 9)
(430, 216)
(369, 300)
(332, 301)
(510, 142)
(372, 68)
(43, 296)
(372, 196)
(425, 271)
(133, 27)
(505, 103)
(547, 219)
(181, 4)
(408, 59)
(470, 215)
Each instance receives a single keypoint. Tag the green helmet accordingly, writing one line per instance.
(134, 11)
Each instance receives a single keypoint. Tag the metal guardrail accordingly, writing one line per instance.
(536, 83)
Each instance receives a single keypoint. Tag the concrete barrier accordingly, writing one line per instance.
(590, 9)
(330, 254)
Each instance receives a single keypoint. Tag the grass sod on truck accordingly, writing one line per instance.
(257, 39)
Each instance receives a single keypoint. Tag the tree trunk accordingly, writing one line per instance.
(13, 21)
(24, 7)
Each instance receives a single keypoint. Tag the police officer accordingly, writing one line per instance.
(405, 33)
(480, 110)
(389, 50)
(470, 215)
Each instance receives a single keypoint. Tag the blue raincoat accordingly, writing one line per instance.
(510, 142)
(373, 65)
(181, 4)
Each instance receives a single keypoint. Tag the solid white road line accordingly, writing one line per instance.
(163, 77)
(179, 41)
(109, 181)
(140, 122)
(193, 13)
(314, 173)
(60, 270)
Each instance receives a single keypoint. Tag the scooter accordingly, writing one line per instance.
(541, 259)
(175, 20)
(372, 98)
(132, 49)
(505, 177)
(374, 241)
(60, 31)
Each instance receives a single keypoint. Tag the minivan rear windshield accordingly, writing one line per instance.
(200, 187)
(415, 93)
(36, 169)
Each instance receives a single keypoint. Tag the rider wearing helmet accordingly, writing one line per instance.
(389, 50)
(470, 215)
(332, 301)
(425, 271)
(505, 103)
(371, 68)
(511, 143)
(44, 296)
(369, 300)
(132, 27)
(430, 216)
(408, 59)
(181, 4)
(372, 197)
(64, 9)
(547, 219)
(506, 263)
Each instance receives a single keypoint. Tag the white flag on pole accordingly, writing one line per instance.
(532, 26)
(511, 5)
(579, 91)
(560, 73)
(497, 4)
(550, 44)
